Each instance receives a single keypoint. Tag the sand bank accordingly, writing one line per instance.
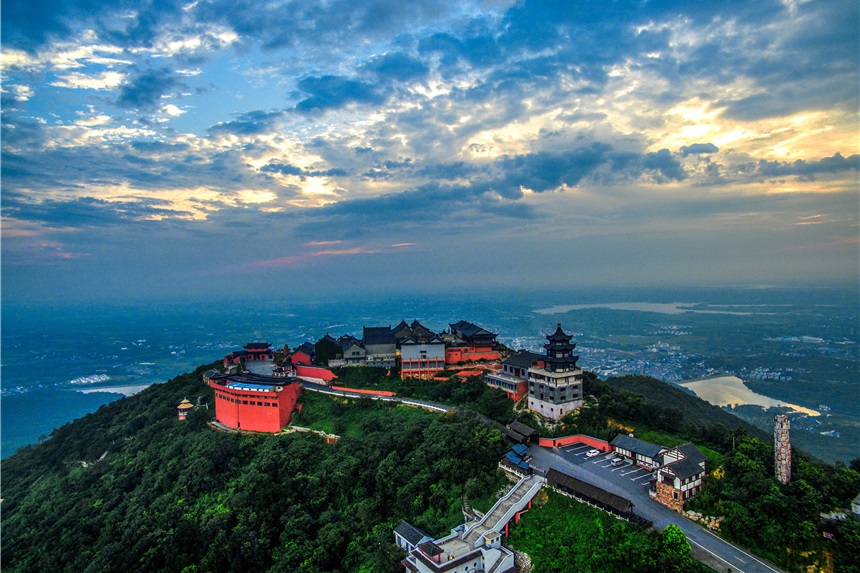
(731, 391)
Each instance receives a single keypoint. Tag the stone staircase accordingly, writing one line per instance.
(505, 509)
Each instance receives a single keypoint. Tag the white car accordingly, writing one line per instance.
(592, 453)
(617, 462)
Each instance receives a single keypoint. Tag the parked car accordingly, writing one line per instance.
(617, 462)
(592, 453)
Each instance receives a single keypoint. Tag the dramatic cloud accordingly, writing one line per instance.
(476, 128)
(699, 149)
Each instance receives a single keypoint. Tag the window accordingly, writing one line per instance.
(244, 401)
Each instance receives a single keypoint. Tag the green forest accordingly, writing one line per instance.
(563, 535)
(179, 496)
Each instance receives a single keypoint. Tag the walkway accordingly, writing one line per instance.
(323, 389)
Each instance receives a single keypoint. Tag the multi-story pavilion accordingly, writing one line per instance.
(555, 387)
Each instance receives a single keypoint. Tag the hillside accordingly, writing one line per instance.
(131, 488)
(696, 411)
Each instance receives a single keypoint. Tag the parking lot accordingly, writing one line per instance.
(602, 464)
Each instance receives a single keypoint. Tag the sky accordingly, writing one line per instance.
(172, 149)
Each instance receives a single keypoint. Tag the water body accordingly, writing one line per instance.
(660, 308)
(731, 391)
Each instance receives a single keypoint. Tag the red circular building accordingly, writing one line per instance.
(254, 403)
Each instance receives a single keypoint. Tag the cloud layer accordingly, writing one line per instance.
(478, 128)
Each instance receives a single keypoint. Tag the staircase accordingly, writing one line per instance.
(505, 509)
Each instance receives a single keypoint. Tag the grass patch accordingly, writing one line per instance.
(565, 535)
(351, 417)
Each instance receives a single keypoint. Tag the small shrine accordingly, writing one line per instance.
(183, 408)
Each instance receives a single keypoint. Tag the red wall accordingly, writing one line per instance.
(361, 391)
(577, 439)
(314, 371)
(300, 357)
(458, 354)
(254, 417)
(522, 390)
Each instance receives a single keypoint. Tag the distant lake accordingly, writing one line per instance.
(658, 307)
(731, 391)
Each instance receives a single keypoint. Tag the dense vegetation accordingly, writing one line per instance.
(652, 404)
(564, 535)
(179, 496)
(782, 522)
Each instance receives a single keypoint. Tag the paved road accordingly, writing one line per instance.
(631, 483)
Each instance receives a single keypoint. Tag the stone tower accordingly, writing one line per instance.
(782, 448)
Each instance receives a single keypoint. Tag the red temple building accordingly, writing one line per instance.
(303, 355)
(471, 343)
(254, 403)
(254, 351)
(259, 351)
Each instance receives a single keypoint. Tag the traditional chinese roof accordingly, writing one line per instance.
(348, 340)
(431, 549)
(378, 335)
(522, 359)
(410, 533)
(556, 478)
(409, 340)
(683, 469)
(559, 335)
(185, 405)
(307, 348)
(420, 330)
(473, 331)
(257, 346)
(523, 430)
(416, 330)
(637, 446)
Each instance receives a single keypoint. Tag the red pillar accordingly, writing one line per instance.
(506, 529)
(517, 517)
(530, 504)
